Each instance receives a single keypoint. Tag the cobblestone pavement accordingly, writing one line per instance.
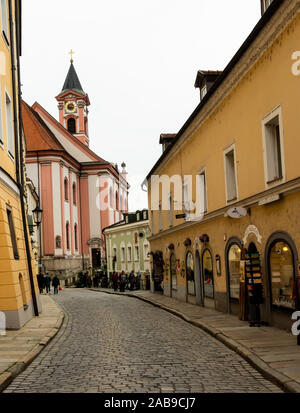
(119, 344)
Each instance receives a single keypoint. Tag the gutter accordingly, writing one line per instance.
(18, 141)
(272, 9)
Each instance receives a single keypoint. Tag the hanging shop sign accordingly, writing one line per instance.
(237, 212)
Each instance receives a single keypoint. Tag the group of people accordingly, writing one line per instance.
(98, 280)
(125, 281)
(45, 281)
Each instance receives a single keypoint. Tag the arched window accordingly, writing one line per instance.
(72, 125)
(68, 235)
(173, 272)
(117, 201)
(234, 258)
(74, 194)
(111, 200)
(190, 274)
(282, 274)
(66, 189)
(58, 242)
(208, 275)
(76, 237)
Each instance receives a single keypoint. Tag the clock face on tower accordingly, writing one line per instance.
(70, 107)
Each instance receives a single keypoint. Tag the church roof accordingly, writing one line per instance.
(72, 81)
(38, 136)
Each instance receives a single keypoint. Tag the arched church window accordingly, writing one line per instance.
(72, 125)
(68, 235)
(58, 242)
(76, 237)
(111, 197)
(117, 201)
(74, 194)
(66, 189)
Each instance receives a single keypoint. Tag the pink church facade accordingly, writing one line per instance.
(80, 193)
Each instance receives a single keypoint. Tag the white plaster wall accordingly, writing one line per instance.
(95, 223)
(56, 203)
(69, 146)
(32, 173)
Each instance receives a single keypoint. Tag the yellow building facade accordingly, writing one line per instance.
(18, 287)
(242, 140)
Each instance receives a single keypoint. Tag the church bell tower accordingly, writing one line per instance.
(73, 105)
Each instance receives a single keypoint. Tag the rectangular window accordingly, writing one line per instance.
(152, 222)
(146, 251)
(230, 175)
(202, 192)
(122, 254)
(129, 258)
(12, 234)
(4, 20)
(160, 218)
(203, 91)
(265, 5)
(136, 254)
(273, 149)
(170, 210)
(9, 126)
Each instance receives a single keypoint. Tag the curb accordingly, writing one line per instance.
(286, 384)
(10, 374)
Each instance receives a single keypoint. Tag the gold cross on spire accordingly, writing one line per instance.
(71, 53)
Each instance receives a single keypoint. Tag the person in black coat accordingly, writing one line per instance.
(41, 282)
(55, 283)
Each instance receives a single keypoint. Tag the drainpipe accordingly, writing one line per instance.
(18, 132)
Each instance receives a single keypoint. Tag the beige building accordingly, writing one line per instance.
(240, 150)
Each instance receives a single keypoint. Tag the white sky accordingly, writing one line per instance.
(137, 60)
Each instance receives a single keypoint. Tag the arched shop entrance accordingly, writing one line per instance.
(198, 279)
(158, 271)
(208, 278)
(233, 268)
(281, 264)
(173, 274)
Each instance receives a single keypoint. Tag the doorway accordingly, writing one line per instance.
(96, 257)
(199, 283)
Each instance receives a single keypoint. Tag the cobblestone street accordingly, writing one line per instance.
(119, 344)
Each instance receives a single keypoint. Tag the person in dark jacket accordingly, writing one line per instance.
(131, 280)
(115, 280)
(47, 283)
(41, 282)
(122, 282)
(55, 283)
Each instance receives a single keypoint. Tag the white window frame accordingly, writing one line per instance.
(4, 22)
(123, 253)
(160, 221)
(229, 197)
(129, 254)
(136, 253)
(9, 126)
(146, 250)
(274, 116)
(171, 223)
(203, 91)
(202, 171)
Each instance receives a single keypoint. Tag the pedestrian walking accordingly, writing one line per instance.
(115, 280)
(138, 281)
(55, 283)
(89, 282)
(122, 281)
(41, 282)
(47, 283)
(131, 280)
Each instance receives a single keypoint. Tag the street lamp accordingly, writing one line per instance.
(37, 215)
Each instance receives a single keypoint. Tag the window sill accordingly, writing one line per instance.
(231, 200)
(275, 180)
